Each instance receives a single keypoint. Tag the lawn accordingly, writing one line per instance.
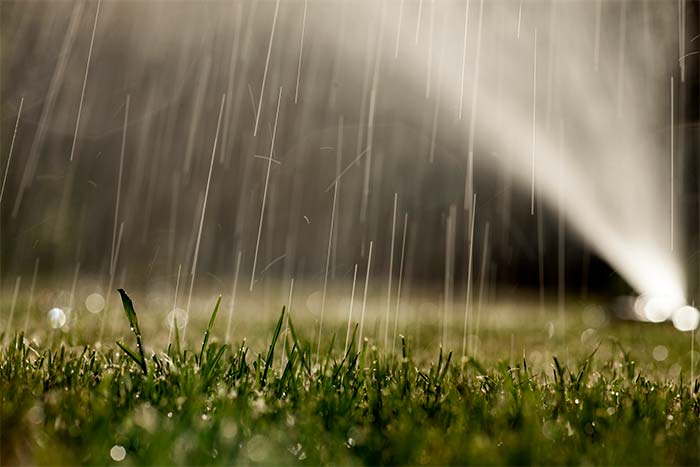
(603, 392)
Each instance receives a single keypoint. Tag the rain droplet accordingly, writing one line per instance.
(57, 318)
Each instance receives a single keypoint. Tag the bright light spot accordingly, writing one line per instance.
(686, 318)
(660, 353)
(57, 318)
(639, 304)
(117, 453)
(659, 308)
(95, 303)
(177, 314)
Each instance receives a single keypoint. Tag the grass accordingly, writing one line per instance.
(223, 404)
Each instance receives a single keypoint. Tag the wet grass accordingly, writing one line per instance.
(219, 404)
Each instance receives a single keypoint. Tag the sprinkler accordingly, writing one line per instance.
(660, 308)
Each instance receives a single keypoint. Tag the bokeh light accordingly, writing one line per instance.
(117, 453)
(95, 303)
(659, 308)
(57, 318)
(179, 315)
(686, 318)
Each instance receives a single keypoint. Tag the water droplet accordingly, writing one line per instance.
(117, 453)
(57, 318)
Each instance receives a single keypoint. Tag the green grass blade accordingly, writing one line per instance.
(271, 349)
(209, 328)
(134, 325)
(130, 353)
(300, 349)
(209, 371)
(178, 349)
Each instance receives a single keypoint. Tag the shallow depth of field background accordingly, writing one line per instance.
(512, 162)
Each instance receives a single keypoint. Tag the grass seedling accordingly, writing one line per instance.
(140, 359)
(271, 348)
(207, 333)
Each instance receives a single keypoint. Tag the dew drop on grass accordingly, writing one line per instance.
(117, 453)
(57, 318)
